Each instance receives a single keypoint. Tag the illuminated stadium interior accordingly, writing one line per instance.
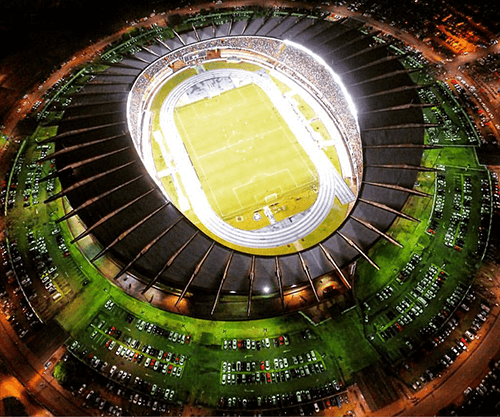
(315, 155)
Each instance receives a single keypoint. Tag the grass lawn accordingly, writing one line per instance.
(390, 258)
(236, 65)
(304, 108)
(244, 153)
(346, 344)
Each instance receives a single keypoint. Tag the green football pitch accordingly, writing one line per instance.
(244, 153)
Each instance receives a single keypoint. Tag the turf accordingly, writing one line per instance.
(304, 108)
(345, 342)
(243, 151)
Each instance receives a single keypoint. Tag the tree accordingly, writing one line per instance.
(65, 373)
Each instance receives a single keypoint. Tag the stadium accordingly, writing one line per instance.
(223, 264)
(247, 210)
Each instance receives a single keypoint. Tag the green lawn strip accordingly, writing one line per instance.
(391, 258)
(76, 316)
(281, 85)
(255, 329)
(92, 295)
(166, 88)
(304, 108)
(345, 343)
(454, 156)
(223, 64)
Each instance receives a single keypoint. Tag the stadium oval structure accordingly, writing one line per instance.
(327, 97)
(128, 217)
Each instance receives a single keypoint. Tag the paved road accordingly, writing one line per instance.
(469, 372)
(11, 387)
(474, 367)
(30, 372)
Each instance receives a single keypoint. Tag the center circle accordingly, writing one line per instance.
(247, 151)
